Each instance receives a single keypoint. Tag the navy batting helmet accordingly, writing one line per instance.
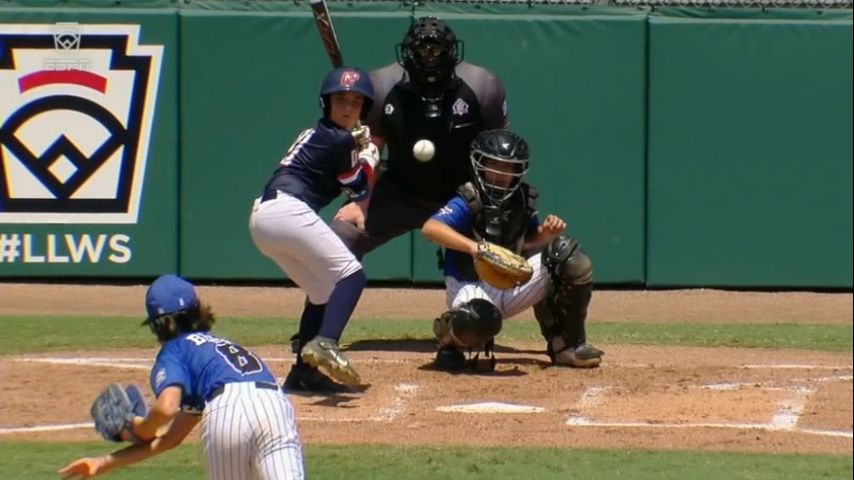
(429, 52)
(498, 153)
(347, 79)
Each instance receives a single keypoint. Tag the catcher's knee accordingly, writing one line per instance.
(567, 262)
(473, 325)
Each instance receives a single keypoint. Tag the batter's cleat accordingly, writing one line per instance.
(307, 379)
(582, 356)
(450, 359)
(323, 353)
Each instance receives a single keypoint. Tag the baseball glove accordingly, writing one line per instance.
(114, 409)
(500, 267)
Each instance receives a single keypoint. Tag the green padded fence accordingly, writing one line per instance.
(684, 146)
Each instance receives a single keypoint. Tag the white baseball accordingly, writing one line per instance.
(423, 150)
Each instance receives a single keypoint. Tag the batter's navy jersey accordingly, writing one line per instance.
(473, 101)
(458, 215)
(199, 363)
(321, 163)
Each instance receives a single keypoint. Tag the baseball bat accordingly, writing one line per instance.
(327, 32)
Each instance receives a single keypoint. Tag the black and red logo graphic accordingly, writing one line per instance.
(76, 108)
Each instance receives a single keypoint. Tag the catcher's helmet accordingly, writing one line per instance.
(347, 79)
(429, 52)
(497, 154)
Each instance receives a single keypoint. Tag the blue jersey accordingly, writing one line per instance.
(458, 215)
(199, 363)
(321, 163)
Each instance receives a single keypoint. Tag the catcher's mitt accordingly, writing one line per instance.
(113, 411)
(500, 267)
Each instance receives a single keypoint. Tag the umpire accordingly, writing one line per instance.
(429, 93)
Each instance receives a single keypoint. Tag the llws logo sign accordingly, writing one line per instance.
(76, 107)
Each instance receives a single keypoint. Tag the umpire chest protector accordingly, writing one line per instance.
(505, 225)
(452, 131)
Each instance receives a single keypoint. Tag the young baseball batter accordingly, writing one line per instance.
(332, 157)
(247, 421)
(499, 207)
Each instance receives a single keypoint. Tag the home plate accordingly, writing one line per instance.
(491, 407)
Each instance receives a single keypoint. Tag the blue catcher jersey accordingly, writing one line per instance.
(321, 163)
(199, 362)
(458, 215)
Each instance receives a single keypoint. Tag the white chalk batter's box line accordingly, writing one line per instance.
(404, 393)
(785, 418)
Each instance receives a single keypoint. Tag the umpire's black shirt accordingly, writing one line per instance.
(472, 102)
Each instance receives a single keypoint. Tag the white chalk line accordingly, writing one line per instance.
(405, 393)
(775, 384)
(584, 422)
(134, 362)
(785, 366)
(47, 428)
(785, 418)
(145, 363)
(789, 410)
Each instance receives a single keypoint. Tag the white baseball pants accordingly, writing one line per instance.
(291, 234)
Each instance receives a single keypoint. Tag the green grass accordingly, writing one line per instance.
(37, 461)
(44, 334)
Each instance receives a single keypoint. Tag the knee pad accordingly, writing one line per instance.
(473, 325)
(567, 262)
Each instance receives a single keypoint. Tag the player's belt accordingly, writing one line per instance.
(218, 390)
(270, 194)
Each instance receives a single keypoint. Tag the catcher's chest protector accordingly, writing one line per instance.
(505, 225)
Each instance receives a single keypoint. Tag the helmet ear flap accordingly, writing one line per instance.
(325, 104)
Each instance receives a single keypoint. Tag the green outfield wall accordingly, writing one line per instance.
(684, 147)
(749, 165)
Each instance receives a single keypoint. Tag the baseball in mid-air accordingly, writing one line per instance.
(423, 150)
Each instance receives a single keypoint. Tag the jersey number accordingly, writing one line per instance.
(240, 359)
(302, 138)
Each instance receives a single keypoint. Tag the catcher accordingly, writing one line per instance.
(248, 428)
(498, 208)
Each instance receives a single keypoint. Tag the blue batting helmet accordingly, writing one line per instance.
(347, 79)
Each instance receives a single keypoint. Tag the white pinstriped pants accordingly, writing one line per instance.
(291, 234)
(250, 432)
(510, 302)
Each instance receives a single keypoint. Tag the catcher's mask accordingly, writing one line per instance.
(499, 159)
(347, 79)
(170, 301)
(429, 52)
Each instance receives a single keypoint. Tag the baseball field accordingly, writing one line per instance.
(695, 384)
